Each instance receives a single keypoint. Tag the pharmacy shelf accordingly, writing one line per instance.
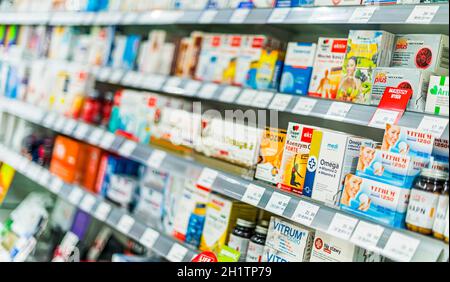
(396, 244)
(390, 14)
(328, 110)
(116, 218)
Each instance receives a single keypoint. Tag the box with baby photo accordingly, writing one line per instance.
(375, 200)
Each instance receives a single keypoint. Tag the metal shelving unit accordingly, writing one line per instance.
(390, 14)
(97, 207)
(396, 244)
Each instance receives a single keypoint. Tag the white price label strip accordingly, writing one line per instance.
(208, 91)
(400, 247)
(104, 74)
(50, 119)
(75, 196)
(362, 14)
(367, 235)
(125, 224)
(304, 106)
(253, 194)
(229, 94)
(127, 148)
(207, 178)
(277, 203)
(342, 226)
(128, 79)
(279, 15)
(338, 111)
(433, 125)
(262, 99)
(422, 14)
(23, 163)
(116, 76)
(305, 213)
(280, 102)
(70, 126)
(383, 117)
(33, 171)
(149, 238)
(56, 185)
(192, 88)
(239, 16)
(177, 253)
(208, 16)
(45, 178)
(87, 203)
(102, 211)
(81, 131)
(107, 140)
(173, 82)
(156, 158)
(95, 137)
(247, 97)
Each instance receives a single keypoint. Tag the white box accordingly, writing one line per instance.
(437, 96)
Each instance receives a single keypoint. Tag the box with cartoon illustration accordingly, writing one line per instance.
(271, 153)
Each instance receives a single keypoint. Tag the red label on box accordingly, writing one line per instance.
(395, 99)
(205, 257)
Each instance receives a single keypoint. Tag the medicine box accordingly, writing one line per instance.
(375, 200)
(327, 70)
(366, 50)
(403, 78)
(327, 248)
(387, 167)
(270, 155)
(293, 3)
(207, 67)
(337, 2)
(332, 156)
(65, 158)
(250, 53)
(287, 241)
(407, 141)
(437, 96)
(297, 68)
(221, 216)
(295, 157)
(428, 52)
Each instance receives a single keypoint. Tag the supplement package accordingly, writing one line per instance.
(271, 154)
(437, 96)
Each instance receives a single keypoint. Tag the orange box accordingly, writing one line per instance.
(91, 166)
(65, 158)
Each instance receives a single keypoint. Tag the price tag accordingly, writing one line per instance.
(137, 79)
(367, 235)
(59, 124)
(262, 99)
(422, 14)
(208, 90)
(362, 14)
(128, 79)
(104, 74)
(56, 185)
(81, 131)
(383, 117)
(304, 106)
(125, 224)
(239, 16)
(192, 87)
(277, 203)
(177, 253)
(127, 148)
(247, 97)
(156, 158)
(116, 76)
(280, 102)
(75, 196)
(102, 211)
(207, 178)
(433, 125)
(253, 194)
(49, 120)
(23, 164)
(33, 171)
(279, 15)
(172, 85)
(305, 213)
(107, 140)
(35, 115)
(95, 136)
(70, 126)
(338, 111)
(87, 203)
(342, 226)
(149, 238)
(400, 247)
(130, 18)
(208, 16)
(229, 94)
(153, 82)
(45, 178)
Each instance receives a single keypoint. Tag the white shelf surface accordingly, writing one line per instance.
(389, 14)
(256, 193)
